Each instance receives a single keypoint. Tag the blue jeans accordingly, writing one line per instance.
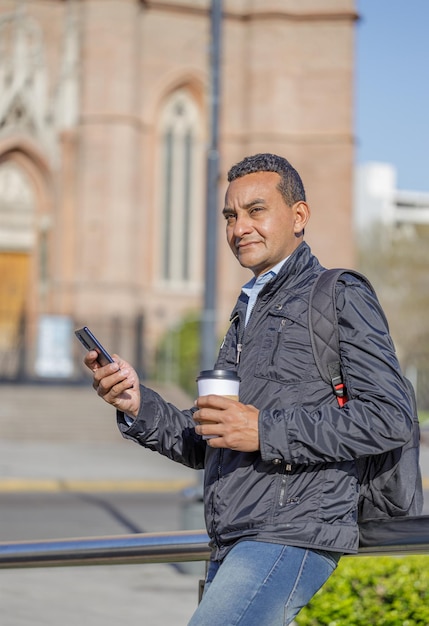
(262, 584)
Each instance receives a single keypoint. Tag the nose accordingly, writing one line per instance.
(242, 225)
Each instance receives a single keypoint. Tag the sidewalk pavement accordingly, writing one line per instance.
(65, 438)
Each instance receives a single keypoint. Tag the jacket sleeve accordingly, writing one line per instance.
(162, 427)
(378, 415)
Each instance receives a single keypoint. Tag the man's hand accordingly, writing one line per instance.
(117, 383)
(235, 425)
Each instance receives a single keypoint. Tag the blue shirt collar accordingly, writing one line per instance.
(263, 278)
(254, 286)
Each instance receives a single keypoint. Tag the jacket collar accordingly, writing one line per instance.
(296, 270)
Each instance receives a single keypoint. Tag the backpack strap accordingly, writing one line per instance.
(323, 327)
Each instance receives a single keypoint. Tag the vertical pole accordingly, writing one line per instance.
(208, 321)
(193, 506)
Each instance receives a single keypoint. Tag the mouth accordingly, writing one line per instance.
(246, 244)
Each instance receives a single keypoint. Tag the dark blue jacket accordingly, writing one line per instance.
(301, 488)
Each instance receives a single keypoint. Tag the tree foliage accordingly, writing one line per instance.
(178, 355)
(396, 262)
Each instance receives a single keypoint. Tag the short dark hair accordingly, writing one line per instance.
(290, 186)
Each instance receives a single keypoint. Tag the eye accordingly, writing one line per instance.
(230, 217)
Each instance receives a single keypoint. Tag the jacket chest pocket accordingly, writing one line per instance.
(285, 353)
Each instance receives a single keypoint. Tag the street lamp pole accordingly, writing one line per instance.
(193, 510)
(208, 321)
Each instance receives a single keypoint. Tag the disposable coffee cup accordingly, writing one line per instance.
(220, 382)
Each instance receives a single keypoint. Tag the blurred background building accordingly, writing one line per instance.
(379, 201)
(104, 117)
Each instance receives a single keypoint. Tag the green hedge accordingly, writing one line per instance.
(372, 591)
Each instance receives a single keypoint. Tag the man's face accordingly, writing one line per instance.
(261, 228)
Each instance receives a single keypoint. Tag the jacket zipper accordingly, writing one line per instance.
(242, 328)
(278, 337)
(219, 474)
(285, 476)
(239, 348)
(239, 339)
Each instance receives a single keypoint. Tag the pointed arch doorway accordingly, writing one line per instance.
(17, 211)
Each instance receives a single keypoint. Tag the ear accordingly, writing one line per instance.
(302, 215)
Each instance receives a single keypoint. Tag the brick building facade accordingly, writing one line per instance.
(104, 118)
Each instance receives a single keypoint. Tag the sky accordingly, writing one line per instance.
(392, 88)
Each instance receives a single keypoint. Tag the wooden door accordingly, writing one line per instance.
(14, 272)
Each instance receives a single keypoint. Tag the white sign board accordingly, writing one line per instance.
(54, 347)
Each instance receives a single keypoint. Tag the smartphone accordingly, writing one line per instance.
(90, 342)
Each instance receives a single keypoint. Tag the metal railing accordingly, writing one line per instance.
(173, 547)
(397, 536)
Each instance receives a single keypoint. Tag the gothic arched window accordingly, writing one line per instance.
(181, 192)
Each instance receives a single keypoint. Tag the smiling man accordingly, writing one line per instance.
(281, 482)
(264, 225)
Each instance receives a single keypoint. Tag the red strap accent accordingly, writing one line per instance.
(341, 396)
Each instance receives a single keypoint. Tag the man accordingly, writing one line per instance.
(281, 486)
